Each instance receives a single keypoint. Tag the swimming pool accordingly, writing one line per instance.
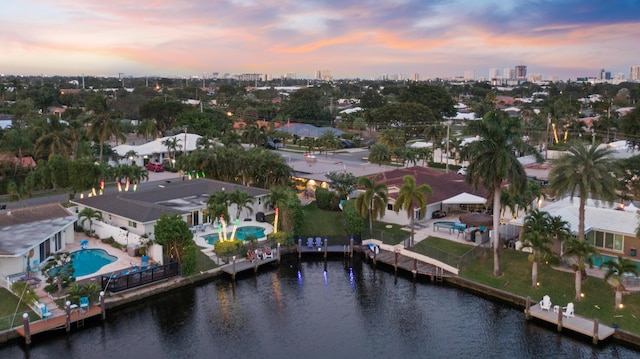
(87, 261)
(600, 261)
(241, 233)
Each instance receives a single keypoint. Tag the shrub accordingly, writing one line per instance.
(226, 249)
(281, 237)
(326, 199)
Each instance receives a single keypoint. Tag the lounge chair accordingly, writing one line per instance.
(568, 311)
(309, 242)
(45, 312)
(84, 303)
(267, 253)
(318, 242)
(545, 303)
(84, 243)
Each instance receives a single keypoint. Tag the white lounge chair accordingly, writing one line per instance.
(546, 303)
(267, 253)
(318, 242)
(568, 311)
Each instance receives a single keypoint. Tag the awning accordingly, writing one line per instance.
(465, 198)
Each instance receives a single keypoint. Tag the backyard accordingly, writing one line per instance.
(8, 305)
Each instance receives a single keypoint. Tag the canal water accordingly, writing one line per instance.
(340, 309)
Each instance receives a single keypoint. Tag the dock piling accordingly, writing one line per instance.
(103, 308)
(560, 319)
(234, 268)
(326, 244)
(278, 253)
(527, 309)
(351, 247)
(596, 324)
(299, 248)
(27, 332)
(67, 309)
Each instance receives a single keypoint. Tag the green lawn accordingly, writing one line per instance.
(8, 304)
(203, 262)
(599, 297)
(320, 223)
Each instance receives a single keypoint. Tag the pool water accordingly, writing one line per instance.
(241, 233)
(600, 261)
(87, 261)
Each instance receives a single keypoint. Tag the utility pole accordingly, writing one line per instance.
(448, 141)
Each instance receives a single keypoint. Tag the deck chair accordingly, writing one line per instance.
(45, 312)
(545, 303)
(309, 242)
(84, 303)
(84, 243)
(267, 253)
(568, 311)
(318, 242)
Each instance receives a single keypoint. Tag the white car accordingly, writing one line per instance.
(462, 171)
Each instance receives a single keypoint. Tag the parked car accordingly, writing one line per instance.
(438, 214)
(462, 171)
(154, 167)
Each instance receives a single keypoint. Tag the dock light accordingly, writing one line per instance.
(581, 295)
(537, 284)
(621, 306)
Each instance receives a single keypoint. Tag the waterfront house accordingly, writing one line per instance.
(30, 235)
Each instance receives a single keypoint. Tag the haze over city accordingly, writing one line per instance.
(563, 39)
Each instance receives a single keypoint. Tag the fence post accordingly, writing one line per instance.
(27, 331)
(102, 307)
(67, 309)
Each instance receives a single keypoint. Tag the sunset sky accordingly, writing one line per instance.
(351, 38)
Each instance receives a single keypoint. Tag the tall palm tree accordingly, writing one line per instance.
(380, 153)
(54, 140)
(218, 205)
(172, 144)
(493, 161)
(242, 200)
(102, 128)
(373, 201)
(582, 253)
(435, 133)
(616, 270)
(89, 214)
(585, 170)
(408, 194)
(147, 128)
(537, 237)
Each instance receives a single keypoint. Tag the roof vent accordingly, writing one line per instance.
(8, 213)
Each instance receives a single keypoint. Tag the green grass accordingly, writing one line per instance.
(203, 262)
(320, 223)
(598, 301)
(443, 244)
(8, 304)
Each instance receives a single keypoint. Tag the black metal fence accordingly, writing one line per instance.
(136, 278)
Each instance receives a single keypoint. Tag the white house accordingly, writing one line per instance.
(30, 235)
(156, 151)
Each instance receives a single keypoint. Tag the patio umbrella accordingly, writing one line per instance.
(477, 219)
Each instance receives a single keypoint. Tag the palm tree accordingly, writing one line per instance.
(373, 201)
(242, 200)
(435, 133)
(585, 170)
(615, 275)
(218, 205)
(537, 237)
(380, 154)
(147, 128)
(102, 128)
(582, 253)
(493, 161)
(172, 146)
(278, 198)
(408, 194)
(54, 140)
(89, 214)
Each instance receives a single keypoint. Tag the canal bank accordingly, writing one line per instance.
(140, 294)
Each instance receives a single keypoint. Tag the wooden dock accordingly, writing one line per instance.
(412, 265)
(77, 318)
(577, 324)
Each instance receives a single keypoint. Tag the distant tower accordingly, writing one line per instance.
(634, 73)
(521, 72)
(494, 74)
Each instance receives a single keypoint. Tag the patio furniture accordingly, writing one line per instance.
(318, 242)
(45, 312)
(568, 311)
(267, 253)
(546, 303)
(310, 242)
(84, 243)
(84, 303)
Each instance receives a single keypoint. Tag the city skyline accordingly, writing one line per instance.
(561, 39)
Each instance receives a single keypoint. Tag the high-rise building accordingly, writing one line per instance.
(324, 75)
(494, 74)
(469, 75)
(508, 73)
(521, 72)
(634, 73)
(604, 75)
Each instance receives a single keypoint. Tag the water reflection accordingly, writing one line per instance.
(315, 310)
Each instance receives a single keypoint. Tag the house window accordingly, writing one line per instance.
(57, 240)
(390, 206)
(133, 224)
(606, 240)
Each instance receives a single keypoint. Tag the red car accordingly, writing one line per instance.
(155, 167)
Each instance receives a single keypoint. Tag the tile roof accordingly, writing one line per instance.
(149, 204)
(444, 185)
